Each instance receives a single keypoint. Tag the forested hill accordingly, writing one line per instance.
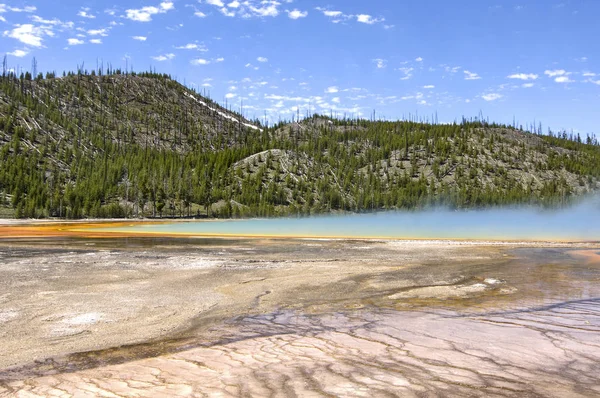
(85, 145)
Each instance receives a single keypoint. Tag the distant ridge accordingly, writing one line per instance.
(126, 145)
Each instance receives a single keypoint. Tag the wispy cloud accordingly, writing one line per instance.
(84, 13)
(407, 72)
(29, 9)
(98, 32)
(559, 75)
(252, 8)
(337, 16)
(471, 75)
(192, 46)
(491, 96)
(381, 63)
(556, 72)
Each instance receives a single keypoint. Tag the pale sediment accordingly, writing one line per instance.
(343, 318)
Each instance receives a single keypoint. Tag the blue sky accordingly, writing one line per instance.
(531, 60)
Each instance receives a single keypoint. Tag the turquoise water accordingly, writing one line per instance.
(579, 223)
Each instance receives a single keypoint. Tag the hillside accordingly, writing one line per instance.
(118, 145)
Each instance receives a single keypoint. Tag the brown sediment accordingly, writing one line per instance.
(592, 256)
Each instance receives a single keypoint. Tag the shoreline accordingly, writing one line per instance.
(24, 229)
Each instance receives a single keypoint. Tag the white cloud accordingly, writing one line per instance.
(230, 95)
(200, 14)
(226, 12)
(407, 73)
(595, 82)
(199, 61)
(164, 57)
(430, 86)
(589, 74)
(491, 97)
(29, 34)
(145, 14)
(296, 14)
(96, 41)
(527, 85)
(248, 8)
(336, 100)
(84, 13)
(192, 46)
(559, 75)
(52, 22)
(381, 63)
(563, 79)
(19, 53)
(523, 76)
(365, 18)
(331, 14)
(332, 89)
(338, 16)
(557, 72)
(419, 59)
(97, 32)
(268, 10)
(4, 8)
(262, 59)
(140, 38)
(75, 42)
(220, 59)
(449, 69)
(471, 76)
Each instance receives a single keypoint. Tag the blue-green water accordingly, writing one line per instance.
(574, 224)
